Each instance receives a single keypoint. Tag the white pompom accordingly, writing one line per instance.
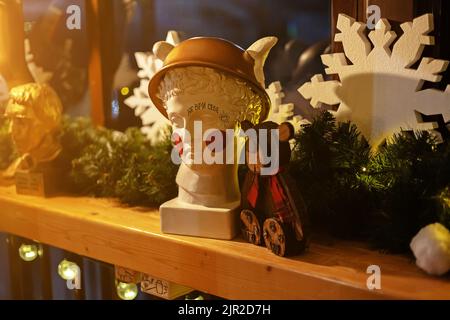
(431, 247)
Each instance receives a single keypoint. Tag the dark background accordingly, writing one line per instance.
(137, 25)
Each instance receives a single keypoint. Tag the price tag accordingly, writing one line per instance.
(162, 288)
(30, 183)
(127, 275)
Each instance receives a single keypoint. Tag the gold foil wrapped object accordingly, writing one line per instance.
(35, 111)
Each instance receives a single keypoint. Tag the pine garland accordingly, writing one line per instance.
(443, 206)
(382, 196)
(107, 163)
(414, 171)
(385, 195)
(328, 161)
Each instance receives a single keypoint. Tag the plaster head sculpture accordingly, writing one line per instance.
(35, 112)
(218, 84)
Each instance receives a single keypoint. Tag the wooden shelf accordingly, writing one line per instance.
(105, 230)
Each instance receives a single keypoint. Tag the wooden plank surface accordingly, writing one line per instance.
(104, 230)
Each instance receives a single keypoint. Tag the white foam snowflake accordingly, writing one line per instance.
(379, 90)
(282, 112)
(153, 122)
(39, 74)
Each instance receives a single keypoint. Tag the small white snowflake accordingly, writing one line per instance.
(153, 122)
(282, 112)
(39, 74)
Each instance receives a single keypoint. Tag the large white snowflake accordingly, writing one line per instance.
(153, 123)
(379, 90)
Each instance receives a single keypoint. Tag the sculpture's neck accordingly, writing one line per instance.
(47, 150)
(212, 189)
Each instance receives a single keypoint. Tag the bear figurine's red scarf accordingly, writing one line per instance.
(282, 208)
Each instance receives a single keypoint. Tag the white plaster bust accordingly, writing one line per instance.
(219, 88)
(219, 101)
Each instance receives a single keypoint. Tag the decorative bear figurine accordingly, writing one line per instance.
(273, 211)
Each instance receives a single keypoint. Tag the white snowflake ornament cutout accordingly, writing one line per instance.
(379, 90)
(39, 74)
(282, 112)
(153, 122)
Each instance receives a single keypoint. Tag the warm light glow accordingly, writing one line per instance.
(126, 291)
(199, 297)
(125, 91)
(29, 252)
(68, 270)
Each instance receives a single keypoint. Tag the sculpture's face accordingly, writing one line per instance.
(204, 105)
(27, 133)
(192, 116)
(35, 114)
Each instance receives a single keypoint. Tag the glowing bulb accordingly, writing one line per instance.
(126, 291)
(189, 297)
(364, 169)
(68, 270)
(29, 252)
(124, 91)
(199, 298)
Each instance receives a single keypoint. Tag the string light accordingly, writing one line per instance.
(126, 291)
(68, 270)
(200, 297)
(125, 91)
(29, 252)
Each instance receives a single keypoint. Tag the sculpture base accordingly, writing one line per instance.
(194, 220)
(37, 183)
